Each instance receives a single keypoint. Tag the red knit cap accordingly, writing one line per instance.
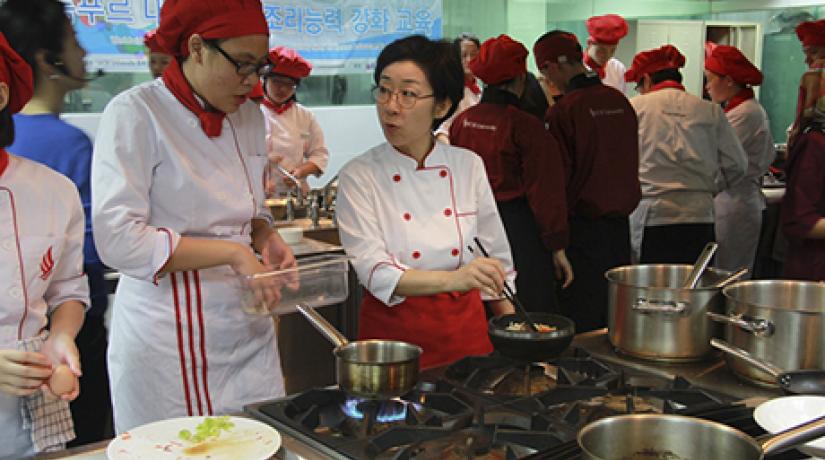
(727, 60)
(287, 61)
(17, 74)
(811, 33)
(561, 47)
(607, 29)
(150, 41)
(651, 61)
(499, 59)
(211, 19)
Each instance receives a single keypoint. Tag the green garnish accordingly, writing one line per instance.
(210, 428)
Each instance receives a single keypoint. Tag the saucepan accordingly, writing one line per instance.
(524, 345)
(373, 369)
(802, 381)
(678, 437)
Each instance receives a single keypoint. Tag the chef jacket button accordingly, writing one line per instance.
(193, 123)
(416, 255)
(443, 173)
(448, 212)
(407, 216)
(454, 252)
(397, 178)
(16, 293)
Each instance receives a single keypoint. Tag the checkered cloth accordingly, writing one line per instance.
(50, 420)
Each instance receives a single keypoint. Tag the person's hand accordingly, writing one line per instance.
(61, 349)
(481, 273)
(23, 372)
(564, 271)
(276, 254)
(267, 289)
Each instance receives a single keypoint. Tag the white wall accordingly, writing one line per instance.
(348, 130)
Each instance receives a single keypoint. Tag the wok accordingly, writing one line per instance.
(531, 346)
(803, 381)
(373, 369)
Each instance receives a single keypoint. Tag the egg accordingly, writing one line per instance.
(62, 380)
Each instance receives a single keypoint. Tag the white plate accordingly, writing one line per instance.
(247, 440)
(788, 411)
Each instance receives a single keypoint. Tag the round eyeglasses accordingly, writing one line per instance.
(406, 98)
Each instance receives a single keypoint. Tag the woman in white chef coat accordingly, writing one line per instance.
(467, 46)
(41, 283)
(409, 208)
(293, 137)
(177, 205)
(730, 78)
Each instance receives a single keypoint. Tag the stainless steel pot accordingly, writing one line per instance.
(651, 316)
(373, 369)
(677, 437)
(778, 321)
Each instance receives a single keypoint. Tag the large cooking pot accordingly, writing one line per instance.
(373, 369)
(778, 321)
(677, 437)
(651, 316)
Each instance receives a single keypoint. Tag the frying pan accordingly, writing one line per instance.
(373, 369)
(803, 381)
(531, 346)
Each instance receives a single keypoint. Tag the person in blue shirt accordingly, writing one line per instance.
(41, 32)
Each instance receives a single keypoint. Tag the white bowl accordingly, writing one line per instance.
(291, 235)
(788, 411)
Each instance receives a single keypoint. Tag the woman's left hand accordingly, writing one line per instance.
(276, 254)
(61, 349)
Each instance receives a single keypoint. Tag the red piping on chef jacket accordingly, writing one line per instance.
(20, 261)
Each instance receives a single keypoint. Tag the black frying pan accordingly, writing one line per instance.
(531, 346)
(803, 381)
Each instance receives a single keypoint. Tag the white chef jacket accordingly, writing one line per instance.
(41, 248)
(393, 216)
(688, 152)
(468, 100)
(180, 345)
(739, 209)
(614, 72)
(296, 136)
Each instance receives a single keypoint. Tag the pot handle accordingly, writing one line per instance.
(659, 306)
(757, 326)
(793, 437)
(747, 357)
(323, 326)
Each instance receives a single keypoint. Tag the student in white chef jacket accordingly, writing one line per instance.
(177, 193)
(730, 76)
(605, 33)
(41, 283)
(409, 208)
(467, 46)
(293, 137)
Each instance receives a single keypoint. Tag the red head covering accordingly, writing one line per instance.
(561, 47)
(651, 61)
(727, 60)
(211, 19)
(499, 59)
(16, 73)
(150, 41)
(287, 61)
(811, 33)
(709, 47)
(607, 29)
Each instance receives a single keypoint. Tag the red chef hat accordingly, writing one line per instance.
(811, 33)
(607, 29)
(150, 41)
(727, 60)
(287, 61)
(651, 61)
(499, 59)
(709, 47)
(16, 73)
(561, 47)
(211, 19)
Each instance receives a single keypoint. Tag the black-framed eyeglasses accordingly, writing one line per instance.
(406, 97)
(243, 69)
(638, 87)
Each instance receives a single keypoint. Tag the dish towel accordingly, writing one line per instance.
(50, 420)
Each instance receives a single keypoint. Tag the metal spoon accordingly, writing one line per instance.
(731, 278)
(699, 267)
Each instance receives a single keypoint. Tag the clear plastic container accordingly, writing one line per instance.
(316, 281)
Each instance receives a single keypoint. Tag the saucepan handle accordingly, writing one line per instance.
(756, 326)
(747, 357)
(323, 326)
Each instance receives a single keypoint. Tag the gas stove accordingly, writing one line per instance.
(490, 407)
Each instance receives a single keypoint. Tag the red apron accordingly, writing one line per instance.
(446, 326)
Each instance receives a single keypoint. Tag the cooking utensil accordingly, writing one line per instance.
(803, 381)
(778, 321)
(508, 293)
(531, 346)
(677, 437)
(651, 316)
(288, 175)
(781, 413)
(700, 265)
(373, 369)
(732, 278)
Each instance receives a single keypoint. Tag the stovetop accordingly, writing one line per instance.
(492, 408)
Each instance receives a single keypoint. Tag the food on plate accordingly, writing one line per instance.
(209, 429)
(521, 326)
(62, 380)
